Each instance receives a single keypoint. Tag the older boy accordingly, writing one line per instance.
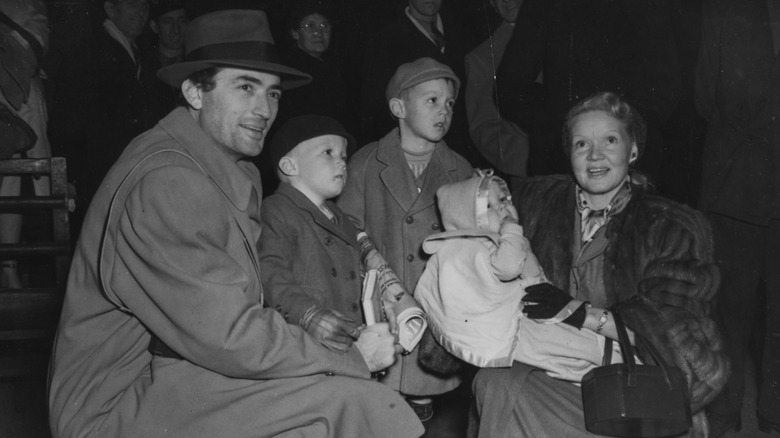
(309, 255)
(391, 195)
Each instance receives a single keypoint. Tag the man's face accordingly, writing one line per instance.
(169, 28)
(240, 109)
(129, 16)
(426, 8)
(507, 9)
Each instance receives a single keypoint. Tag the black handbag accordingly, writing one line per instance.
(630, 400)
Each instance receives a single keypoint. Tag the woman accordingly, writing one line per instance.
(311, 31)
(602, 238)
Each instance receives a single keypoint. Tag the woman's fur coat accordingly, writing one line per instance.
(659, 273)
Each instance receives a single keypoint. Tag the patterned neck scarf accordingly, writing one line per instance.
(593, 220)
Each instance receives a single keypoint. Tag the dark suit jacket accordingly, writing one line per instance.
(738, 92)
(108, 107)
(583, 47)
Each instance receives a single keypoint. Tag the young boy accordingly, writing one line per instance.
(309, 255)
(391, 192)
(475, 280)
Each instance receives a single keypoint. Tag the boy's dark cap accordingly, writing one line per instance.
(419, 71)
(301, 128)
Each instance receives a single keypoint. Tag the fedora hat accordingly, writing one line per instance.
(238, 38)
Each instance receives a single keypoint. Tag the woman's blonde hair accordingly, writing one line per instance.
(616, 107)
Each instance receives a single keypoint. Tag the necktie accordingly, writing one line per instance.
(438, 37)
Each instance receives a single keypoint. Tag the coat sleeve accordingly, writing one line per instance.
(501, 142)
(279, 248)
(677, 282)
(708, 64)
(182, 270)
(519, 97)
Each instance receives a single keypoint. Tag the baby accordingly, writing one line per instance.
(475, 279)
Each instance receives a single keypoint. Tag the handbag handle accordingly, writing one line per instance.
(626, 351)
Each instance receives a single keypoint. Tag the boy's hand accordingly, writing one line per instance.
(331, 328)
(377, 346)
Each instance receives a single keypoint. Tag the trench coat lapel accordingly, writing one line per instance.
(219, 163)
(237, 178)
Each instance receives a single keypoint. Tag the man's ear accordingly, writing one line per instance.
(155, 28)
(288, 166)
(192, 93)
(397, 107)
(295, 35)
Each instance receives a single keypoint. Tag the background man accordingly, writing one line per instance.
(168, 21)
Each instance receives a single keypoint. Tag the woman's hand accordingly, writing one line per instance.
(547, 303)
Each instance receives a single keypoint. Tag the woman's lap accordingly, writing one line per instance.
(525, 402)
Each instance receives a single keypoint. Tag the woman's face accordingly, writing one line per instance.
(313, 35)
(601, 151)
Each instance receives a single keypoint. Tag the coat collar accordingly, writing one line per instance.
(401, 185)
(301, 201)
(218, 164)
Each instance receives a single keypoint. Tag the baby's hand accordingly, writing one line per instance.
(512, 217)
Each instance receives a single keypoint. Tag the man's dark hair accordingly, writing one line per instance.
(203, 79)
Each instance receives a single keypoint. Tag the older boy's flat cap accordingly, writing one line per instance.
(299, 129)
(416, 72)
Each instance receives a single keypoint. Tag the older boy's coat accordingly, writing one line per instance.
(382, 199)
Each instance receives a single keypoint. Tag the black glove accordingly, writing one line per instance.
(545, 301)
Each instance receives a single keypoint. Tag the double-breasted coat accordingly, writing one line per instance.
(382, 198)
(306, 259)
(169, 248)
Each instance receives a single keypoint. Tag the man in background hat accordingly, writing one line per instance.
(168, 21)
(163, 328)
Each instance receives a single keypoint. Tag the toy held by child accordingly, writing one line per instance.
(402, 311)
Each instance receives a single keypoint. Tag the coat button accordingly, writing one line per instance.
(435, 226)
(355, 307)
(329, 241)
(330, 374)
(333, 272)
(352, 275)
(409, 219)
(410, 258)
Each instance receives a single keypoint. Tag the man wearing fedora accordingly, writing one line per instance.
(163, 329)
